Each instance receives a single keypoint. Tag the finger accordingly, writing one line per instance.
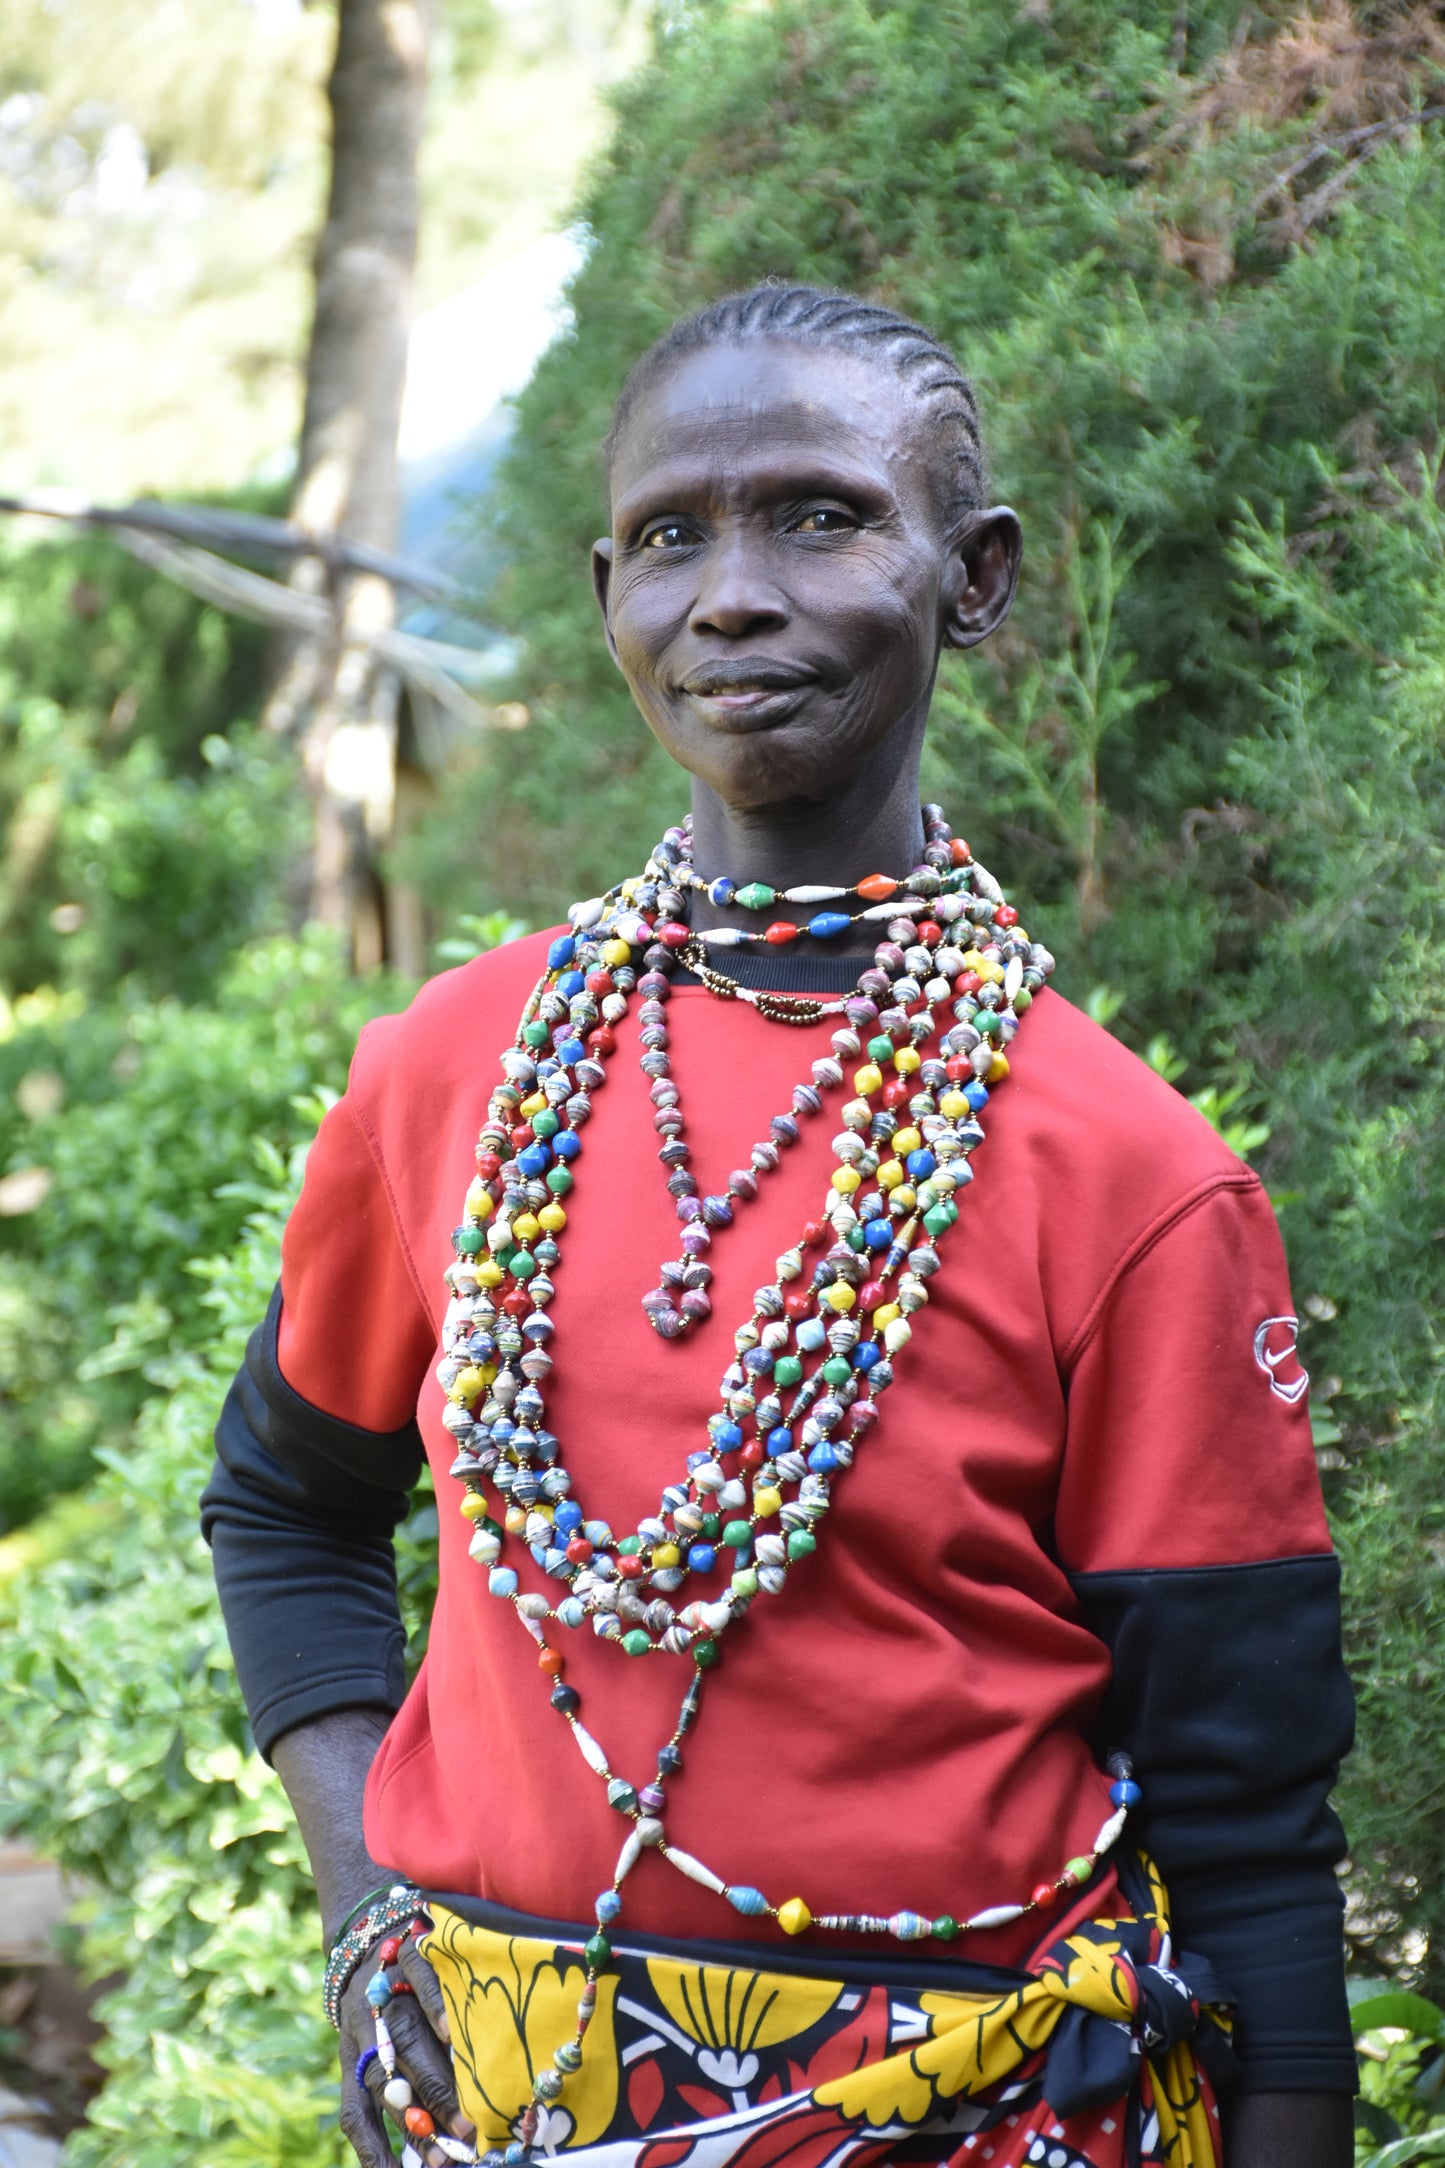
(423, 2060)
(362, 2126)
(421, 1977)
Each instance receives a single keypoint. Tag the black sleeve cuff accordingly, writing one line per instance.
(299, 1513)
(1230, 1695)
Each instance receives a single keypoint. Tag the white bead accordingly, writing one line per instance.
(648, 1830)
(1112, 1830)
(709, 1477)
(385, 2052)
(397, 2093)
(813, 895)
(996, 1916)
(533, 1606)
(695, 1870)
(725, 937)
(587, 914)
(1013, 979)
(772, 1579)
(771, 1550)
(715, 1616)
(628, 1857)
(591, 1752)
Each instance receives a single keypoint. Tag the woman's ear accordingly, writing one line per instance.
(985, 550)
(601, 587)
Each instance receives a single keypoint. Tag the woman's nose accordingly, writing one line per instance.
(737, 593)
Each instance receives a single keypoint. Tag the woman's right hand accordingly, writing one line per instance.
(417, 2023)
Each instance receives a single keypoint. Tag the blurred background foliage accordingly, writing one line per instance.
(1192, 254)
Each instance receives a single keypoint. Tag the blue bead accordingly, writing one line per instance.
(878, 1233)
(977, 1096)
(822, 1460)
(759, 1360)
(865, 1355)
(563, 949)
(608, 1906)
(557, 1563)
(378, 1991)
(826, 925)
(700, 1557)
(533, 1160)
(727, 1437)
(514, 2156)
(717, 1211)
(695, 1460)
(572, 1611)
(569, 1515)
(570, 983)
(721, 890)
(1125, 1793)
(364, 2062)
(811, 1335)
(501, 1581)
(920, 1165)
(566, 1144)
(750, 1901)
(780, 1440)
(598, 1534)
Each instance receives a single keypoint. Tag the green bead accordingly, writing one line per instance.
(546, 1124)
(881, 1048)
(522, 1264)
(936, 1220)
(536, 1033)
(802, 1543)
(837, 1370)
(988, 1022)
(757, 896)
(787, 1370)
(745, 1582)
(470, 1240)
(597, 1952)
(945, 1927)
(711, 1523)
(630, 1546)
(559, 1180)
(705, 1654)
(1023, 999)
(637, 1643)
(504, 1257)
(856, 1239)
(1078, 1870)
(950, 1208)
(738, 1534)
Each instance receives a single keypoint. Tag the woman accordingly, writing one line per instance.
(990, 1587)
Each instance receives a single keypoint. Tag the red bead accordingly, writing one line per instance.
(598, 982)
(671, 934)
(870, 1294)
(1043, 1896)
(959, 1067)
(967, 982)
(752, 1454)
(522, 1136)
(603, 1040)
(1005, 915)
(877, 888)
(930, 933)
(895, 1092)
(390, 1950)
(630, 1566)
(798, 1304)
(518, 1303)
(813, 1234)
(489, 1165)
(418, 2123)
(579, 1550)
(959, 851)
(780, 932)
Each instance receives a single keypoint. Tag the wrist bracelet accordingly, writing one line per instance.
(383, 1889)
(397, 1911)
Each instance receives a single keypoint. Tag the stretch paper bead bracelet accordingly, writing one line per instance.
(397, 1911)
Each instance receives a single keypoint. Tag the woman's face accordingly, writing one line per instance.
(781, 575)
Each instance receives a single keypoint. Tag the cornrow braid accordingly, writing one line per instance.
(841, 322)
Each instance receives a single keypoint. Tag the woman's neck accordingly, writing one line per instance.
(871, 825)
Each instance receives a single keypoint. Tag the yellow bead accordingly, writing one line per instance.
(884, 1315)
(953, 1107)
(794, 1917)
(897, 1335)
(907, 1059)
(905, 1197)
(533, 1105)
(616, 952)
(516, 1520)
(490, 1273)
(553, 1218)
(998, 1069)
(479, 1204)
(890, 1174)
(868, 1079)
(526, 1227)
(474, 1507)
(846, 1180)
(766, 1502)
(906, 1141)
(468, 1384)
(666, 1554)
(840, 1296)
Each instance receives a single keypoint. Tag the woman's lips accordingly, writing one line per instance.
(750, 707)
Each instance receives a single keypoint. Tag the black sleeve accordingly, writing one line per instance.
(299, 1513)
(1231, 1696)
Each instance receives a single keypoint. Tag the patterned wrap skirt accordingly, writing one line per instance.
(1106, 2052)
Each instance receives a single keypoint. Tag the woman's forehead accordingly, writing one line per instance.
(724, 402)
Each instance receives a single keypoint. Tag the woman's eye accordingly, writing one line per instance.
(825, 519)
(671, 535)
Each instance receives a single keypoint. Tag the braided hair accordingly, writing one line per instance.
(817, 316)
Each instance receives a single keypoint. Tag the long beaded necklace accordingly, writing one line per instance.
(812, 1360)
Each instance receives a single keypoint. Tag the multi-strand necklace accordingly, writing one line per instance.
(812, 1361)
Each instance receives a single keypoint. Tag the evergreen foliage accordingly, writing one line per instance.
(1192, 258)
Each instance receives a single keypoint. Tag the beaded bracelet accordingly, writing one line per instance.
(398, 1910)
(383, 1889)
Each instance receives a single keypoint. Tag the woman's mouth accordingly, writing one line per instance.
(745, 697)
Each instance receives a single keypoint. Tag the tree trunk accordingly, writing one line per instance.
(331, 692)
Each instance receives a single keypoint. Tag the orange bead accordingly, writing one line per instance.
(418, 2123)
(550, 1662)
(959, 851)
(878, 888)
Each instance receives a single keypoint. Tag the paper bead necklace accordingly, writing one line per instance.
(812, 1360)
